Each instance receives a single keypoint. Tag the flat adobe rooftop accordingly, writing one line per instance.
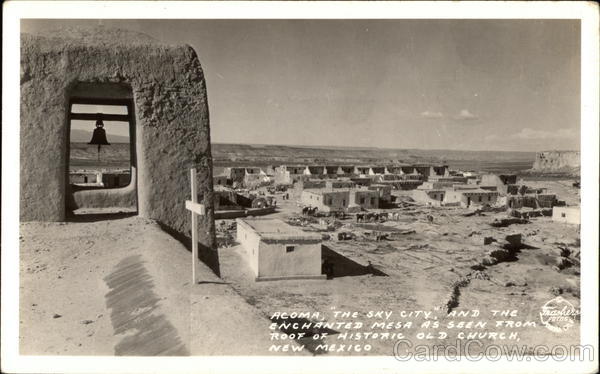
(325, 190)
(476, 191)
(272, 228)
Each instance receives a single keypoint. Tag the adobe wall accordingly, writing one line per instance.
(171, 121)
(101, 198)
(422, 196)
(250, 241)
(303, 261)
(356, 195)
(339, 200)
(567, 215)
(494, 180)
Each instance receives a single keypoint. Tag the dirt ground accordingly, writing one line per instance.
(427, 266)
(119, 285)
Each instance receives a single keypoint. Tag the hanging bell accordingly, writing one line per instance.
(99, 135)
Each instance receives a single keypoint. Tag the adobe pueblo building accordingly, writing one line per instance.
(340, 200)
(567, 214)
(276, 250)
(164, 91)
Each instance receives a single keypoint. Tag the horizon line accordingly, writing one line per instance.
(376, 147)
(390, 148)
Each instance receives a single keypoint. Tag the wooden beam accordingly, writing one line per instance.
(100, 101)
(102, 116)
(195, 207)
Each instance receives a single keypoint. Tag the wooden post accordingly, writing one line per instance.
(196, 210)
(194, 227)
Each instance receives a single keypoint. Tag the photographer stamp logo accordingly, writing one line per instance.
(558, 314)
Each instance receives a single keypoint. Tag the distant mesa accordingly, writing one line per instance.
(557, 162)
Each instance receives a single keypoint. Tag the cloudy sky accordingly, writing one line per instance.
(430, 84)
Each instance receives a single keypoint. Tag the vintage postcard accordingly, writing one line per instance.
(300, 187)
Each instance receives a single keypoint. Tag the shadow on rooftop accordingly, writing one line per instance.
(209, 256)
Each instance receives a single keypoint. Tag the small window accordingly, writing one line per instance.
(372, 201)
(289, 248)
(479, 198)
(563, 215)
(362, 200)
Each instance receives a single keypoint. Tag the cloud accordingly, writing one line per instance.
(463, 115)
(531, 134)
(432, 115)
(466, 115)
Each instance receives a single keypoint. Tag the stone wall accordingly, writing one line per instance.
(172, 135)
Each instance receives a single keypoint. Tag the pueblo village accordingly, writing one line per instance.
(163, 242)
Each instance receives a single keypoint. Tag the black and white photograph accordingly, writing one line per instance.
(386, 188)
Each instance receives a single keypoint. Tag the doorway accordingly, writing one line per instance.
(101, 157)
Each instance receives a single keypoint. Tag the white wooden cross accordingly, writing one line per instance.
(196, 210)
